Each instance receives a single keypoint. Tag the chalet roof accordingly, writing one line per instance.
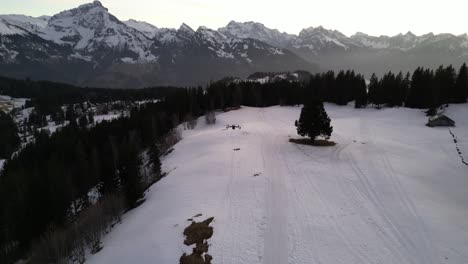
(441, 117)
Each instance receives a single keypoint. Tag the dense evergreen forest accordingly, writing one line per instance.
(47, 97)
(46, 186)
(425, 88)
(9, 140)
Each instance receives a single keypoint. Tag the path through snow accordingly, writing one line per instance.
(391, 191)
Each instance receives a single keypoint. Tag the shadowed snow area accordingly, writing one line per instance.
(391, 191)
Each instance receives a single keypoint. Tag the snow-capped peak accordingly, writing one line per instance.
(93, 4)
(400, 42)
(257, 31)
(186, 29)
(210, 36)
(319, 38)
(146, 28)
(90, 28)
(360, 34)
(320, 30)
(410, 34)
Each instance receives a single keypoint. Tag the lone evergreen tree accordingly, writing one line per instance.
(314, 121)
(461, 85)
(154, 159)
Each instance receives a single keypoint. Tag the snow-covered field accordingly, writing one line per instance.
(391, 191)
(108, 117)
(8, 103)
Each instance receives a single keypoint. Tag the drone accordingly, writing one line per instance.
(233, 127)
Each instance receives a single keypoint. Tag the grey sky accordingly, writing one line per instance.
(374, 17)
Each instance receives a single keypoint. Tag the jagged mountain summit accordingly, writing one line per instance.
(319, 38)
(331, 49)
(257, 31)
(108, 52)
(146, 28)
(92, 31)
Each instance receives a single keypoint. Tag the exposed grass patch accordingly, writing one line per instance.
(198, 233)
(317, 142)
(195, 259)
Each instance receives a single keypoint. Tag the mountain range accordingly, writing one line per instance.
(88, 46)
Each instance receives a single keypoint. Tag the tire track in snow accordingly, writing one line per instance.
(427, 248)
(388, 231)
(303, 208)
(405, 205)
(237, 221)
(402, 237)
(297, 198)
(227, 200)
(307, 233)
(276, 236)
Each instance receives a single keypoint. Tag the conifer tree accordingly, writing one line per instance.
(83, 121)
(314, 121)
(129, 172)
(374, 91)
(461, 85)
(154, 159)
(361, 93)
(91, 117)
(70, 113)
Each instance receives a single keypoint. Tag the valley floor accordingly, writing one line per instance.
(391, 191)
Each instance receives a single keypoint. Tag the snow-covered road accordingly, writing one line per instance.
(391, 191)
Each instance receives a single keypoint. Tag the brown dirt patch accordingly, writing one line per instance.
(198, 233)
(316, 143)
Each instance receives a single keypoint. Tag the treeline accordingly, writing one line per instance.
(48, 183)
(338, 88)
(47, 97)
(424, 88)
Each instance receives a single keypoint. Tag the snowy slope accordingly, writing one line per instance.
(20, 24)
(145, 28)
(391, 191)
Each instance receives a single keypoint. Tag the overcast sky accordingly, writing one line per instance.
(375, 17)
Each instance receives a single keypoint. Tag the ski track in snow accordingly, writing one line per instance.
(386, 193)
(276, 237)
